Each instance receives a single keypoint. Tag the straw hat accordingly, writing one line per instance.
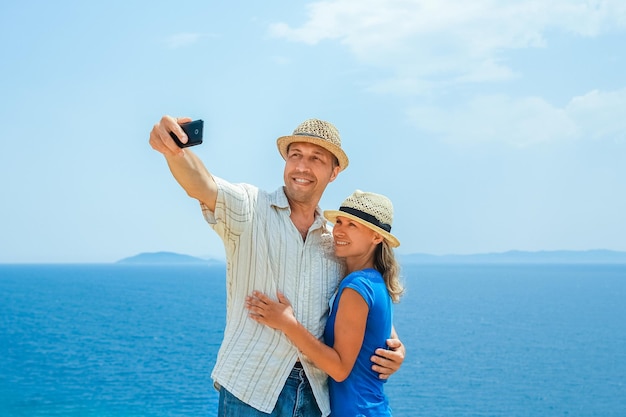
(374, 211)
(317, 132)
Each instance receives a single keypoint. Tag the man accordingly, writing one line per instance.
(273, 241)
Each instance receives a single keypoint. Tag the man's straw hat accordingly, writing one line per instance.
(374, 211)
(317, 132)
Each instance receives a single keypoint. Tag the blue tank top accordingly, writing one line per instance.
(362, 394)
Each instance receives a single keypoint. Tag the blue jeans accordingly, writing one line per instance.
(295, 400)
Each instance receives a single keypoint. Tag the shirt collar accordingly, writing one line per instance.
(279, 200)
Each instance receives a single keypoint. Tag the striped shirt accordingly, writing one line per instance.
(265, 252)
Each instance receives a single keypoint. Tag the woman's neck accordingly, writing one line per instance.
(358, 264)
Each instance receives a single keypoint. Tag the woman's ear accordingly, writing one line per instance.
(378, 238)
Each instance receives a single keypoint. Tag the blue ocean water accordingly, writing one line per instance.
(483, 340)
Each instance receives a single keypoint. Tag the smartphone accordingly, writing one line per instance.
(193, 130)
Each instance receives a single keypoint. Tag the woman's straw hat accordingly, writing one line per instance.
(374, 211)
(317, 132)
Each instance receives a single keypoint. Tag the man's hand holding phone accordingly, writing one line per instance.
(193, 131)
(164, 136)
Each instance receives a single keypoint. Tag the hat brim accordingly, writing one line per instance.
(283, 143)
(331, 216)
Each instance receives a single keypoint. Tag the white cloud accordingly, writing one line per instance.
(601, 115)
(431, 46)
(527, 121)
(422, 38)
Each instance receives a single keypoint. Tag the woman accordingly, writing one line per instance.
(361, 314)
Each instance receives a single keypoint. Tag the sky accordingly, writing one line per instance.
(492, 125)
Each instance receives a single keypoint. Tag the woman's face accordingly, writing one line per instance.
(352, 239)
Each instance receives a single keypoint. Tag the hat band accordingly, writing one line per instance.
(309, 134)
(367, 217)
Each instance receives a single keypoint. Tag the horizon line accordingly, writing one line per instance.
(191, 258)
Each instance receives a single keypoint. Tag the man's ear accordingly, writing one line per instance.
(334, 173)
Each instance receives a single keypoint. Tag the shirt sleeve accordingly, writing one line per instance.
(359, 283)
(234, 208)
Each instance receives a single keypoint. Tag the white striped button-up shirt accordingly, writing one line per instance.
(265, 252)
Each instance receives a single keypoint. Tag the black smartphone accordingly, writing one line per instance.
(193, 130)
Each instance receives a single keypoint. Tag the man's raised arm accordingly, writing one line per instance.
(186, 167)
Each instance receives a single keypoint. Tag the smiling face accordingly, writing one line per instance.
(308, 170)
(355, 242)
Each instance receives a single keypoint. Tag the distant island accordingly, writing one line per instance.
(167, 258)
(598, 256)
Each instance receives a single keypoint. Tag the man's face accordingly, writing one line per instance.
(308, 170)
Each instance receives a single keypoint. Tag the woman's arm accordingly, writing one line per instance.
(337, 361)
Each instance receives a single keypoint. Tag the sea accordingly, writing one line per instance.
(113, 340)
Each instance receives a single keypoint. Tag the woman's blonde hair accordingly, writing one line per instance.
(385, 262)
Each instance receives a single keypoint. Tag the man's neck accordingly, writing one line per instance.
(302, 216)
